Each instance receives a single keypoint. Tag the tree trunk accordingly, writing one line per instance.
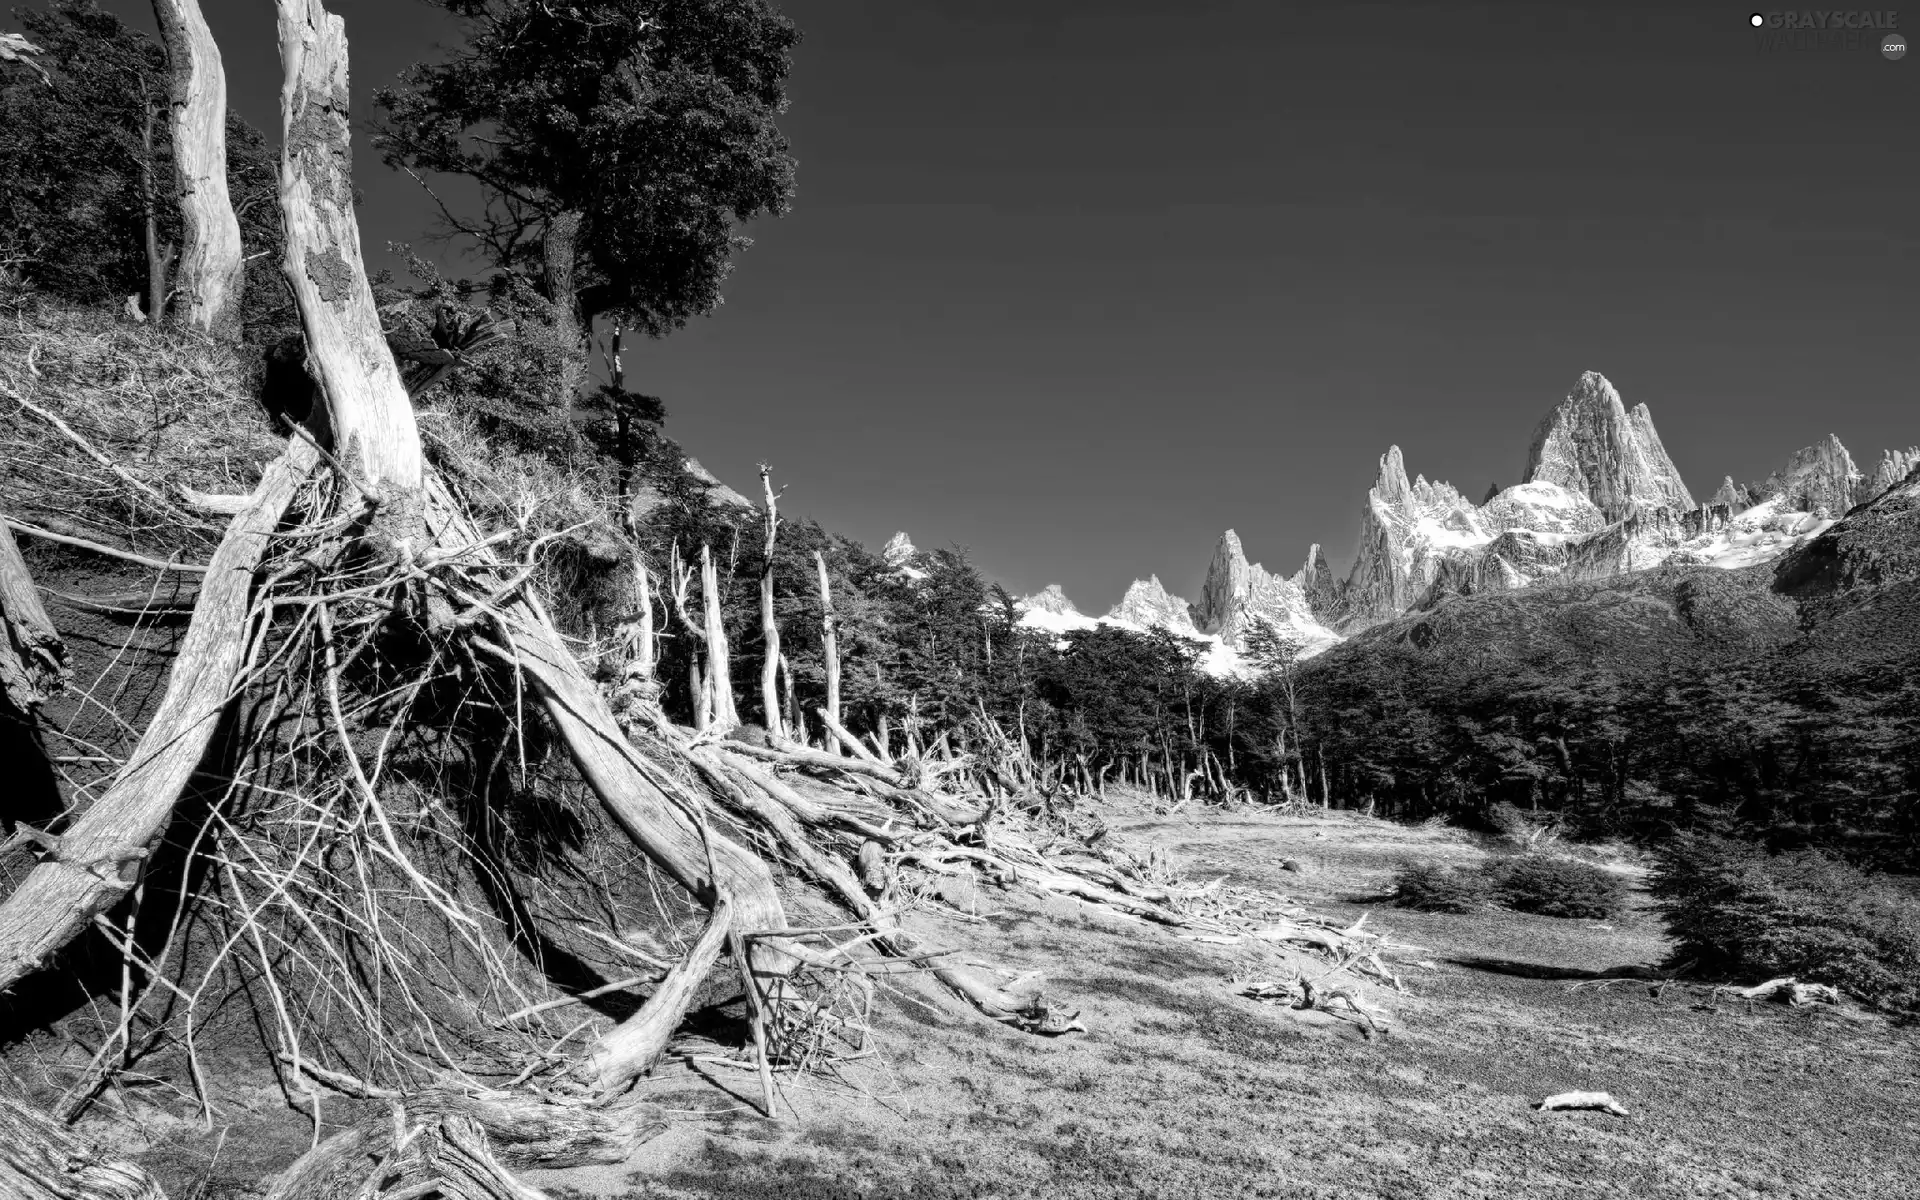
(98, 859)
(159, 258)
(830, 651)
(210, 276)
(724, 712)
(33, 658)
(631, 1048)
(645, 655)
(372, 426)
(41, 1159)
(769, 628)
(558, 249)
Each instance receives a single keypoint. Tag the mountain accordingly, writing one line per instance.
(1590, 444)
(1149, 605)
(1600, 498)
(1237, 594)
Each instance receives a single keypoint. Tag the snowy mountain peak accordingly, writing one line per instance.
(899, 550)
(1050, 599)
(1732, 495)
(1590, 444)
(1149, 605)
(1820, 479)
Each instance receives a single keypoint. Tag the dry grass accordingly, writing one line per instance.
(166, 407)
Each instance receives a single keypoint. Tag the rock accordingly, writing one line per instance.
(1877, 543)
(1895, 465)
(1149, 605)
(1820, 479)
(898, 551)
(1315, 580)
(1733, 496)
(1050, 599)
(1238, 593)
(1590, 444)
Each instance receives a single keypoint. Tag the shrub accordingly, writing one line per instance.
(1436, 887)
(1522, 831)
(1556, 887)
(1735, 910)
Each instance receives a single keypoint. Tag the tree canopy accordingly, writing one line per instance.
(618, 144)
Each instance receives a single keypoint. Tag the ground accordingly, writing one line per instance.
(1183, 1088)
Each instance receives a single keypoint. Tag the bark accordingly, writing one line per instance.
(558, 250)
(769, 628)
(33, 658)
(645, 655)
(210, 275)
(100, 855)
(725, 713)
(41, 1159)
(372, 426)
(830, 651)
(631, 1048)
(159, 257)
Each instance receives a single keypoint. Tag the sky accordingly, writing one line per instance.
(1078, 285)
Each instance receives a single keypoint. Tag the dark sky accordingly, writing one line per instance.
(1080, 284)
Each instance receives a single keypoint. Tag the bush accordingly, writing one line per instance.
(1736, 911)
(1436, 887)
(1556, 887)
(1523, 832)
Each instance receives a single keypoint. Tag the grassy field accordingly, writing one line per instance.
(1183, 1088)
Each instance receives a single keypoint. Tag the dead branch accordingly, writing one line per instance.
(631, 1048)
(102, 548)
(33, 658)
(1603, 1101)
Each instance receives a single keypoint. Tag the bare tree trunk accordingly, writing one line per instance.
(41, 1159)
(796, 726)
(159, 258)
(769, 628)
(98, 859)
(631, 1048)
(557, 251)
(373, 430)
(210, 276)
(719, 673)
(33, 658)
(645, 656)
(830, 650)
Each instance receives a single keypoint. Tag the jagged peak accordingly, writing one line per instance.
(899, 549)
(1051, 598)
(1590, 443)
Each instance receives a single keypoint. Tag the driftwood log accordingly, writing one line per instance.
(33, 658)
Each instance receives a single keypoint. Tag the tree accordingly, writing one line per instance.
(618, 145)
(210, 276)
(96, 226)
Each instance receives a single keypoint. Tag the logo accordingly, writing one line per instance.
(1894, 46)
(1857, 30)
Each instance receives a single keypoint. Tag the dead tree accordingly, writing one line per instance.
(769, 628)
(210, 277)
(830, 652)
(33, 658)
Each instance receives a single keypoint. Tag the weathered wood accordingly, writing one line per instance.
(769, 628)
(832, 722)
(631, 1048)
(41, 1159)
(372, 425)
(100, 856)
(629, 789)
(209, 278)
(33, 658)
(830, 652)
(725, 713)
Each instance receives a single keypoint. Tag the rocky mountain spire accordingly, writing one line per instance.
(1590, 444)
(1052, 599)
(1227, 577)
(1820, 479)
(1895, 465)
(1316, 582)
(1149, 605)
(1731, 494)
(1238, 592)
(899, 550)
